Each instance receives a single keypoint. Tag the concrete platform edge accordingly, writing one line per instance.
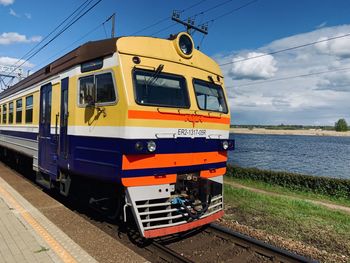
(62, 247)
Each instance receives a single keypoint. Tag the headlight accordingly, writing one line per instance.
(225, 145)
(185, 44)
(151, 146)
(139, 146)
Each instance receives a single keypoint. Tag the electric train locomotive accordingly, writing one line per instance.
(139, 123)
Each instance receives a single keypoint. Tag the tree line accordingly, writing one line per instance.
(341, 126)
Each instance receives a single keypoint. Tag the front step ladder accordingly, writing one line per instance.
(43, 179)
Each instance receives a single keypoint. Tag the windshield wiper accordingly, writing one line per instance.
(155, 75)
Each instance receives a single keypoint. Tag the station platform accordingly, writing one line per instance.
(27, 235)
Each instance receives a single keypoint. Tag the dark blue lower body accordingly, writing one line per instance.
(101, 158)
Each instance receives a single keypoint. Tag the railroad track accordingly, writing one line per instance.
(244, 249)
(231, 246)
(256, 247)
(165, 254)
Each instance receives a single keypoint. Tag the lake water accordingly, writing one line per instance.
(311, 155)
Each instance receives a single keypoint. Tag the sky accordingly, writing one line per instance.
(261, 90)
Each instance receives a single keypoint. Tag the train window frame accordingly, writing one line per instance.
(4, 113)
(91, 65)
(11, 110)
(211, 83)
(31, 107)
(163, 73)
(19, 110)
(91, 74)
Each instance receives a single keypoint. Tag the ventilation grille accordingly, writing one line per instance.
(160, 213)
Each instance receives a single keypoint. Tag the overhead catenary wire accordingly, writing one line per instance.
(82, 6)
(104, 29)
(73, 21)
(65, 28)
(211, 8)
(168, 17)
(208, 10)
(286, 49)
(47, 36)
(294, 77)
(71, 44)
(231, 11)
(194, 15)
(76, 41)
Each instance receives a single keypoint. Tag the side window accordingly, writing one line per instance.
(97, 88)
(4, 113)
(10, 112)
(29, 109)
(86, 90)
(209, 96)
(19, 111)
(104, 88)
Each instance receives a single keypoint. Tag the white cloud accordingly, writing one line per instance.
(337, 81)
(6, 2)
(259, 68)
(317, 99)
(14, 37)
(323, 24)
(13, 13)
(36, 38)
(338, 47)
(8, 61)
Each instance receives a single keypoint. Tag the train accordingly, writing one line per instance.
(139, 123)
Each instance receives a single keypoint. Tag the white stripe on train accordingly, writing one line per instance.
(129, 132)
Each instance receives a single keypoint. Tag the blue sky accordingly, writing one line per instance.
(261, 27)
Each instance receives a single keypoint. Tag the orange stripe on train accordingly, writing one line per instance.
(149, 180)
(144, 161)
(184, 227)
(167, 178)
(156, 115)
(213, 172)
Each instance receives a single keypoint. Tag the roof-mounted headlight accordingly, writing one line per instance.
(184, 45)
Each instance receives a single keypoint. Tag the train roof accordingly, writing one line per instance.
(88, 51)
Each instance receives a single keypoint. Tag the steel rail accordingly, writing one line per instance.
(275, 253)
(169, 255)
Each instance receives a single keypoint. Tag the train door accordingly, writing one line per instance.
(64, 119)
(47, 142)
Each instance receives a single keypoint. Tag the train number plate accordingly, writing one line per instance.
(191, 133)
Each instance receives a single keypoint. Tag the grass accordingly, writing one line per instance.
(286, 191)
(334, 187)
(296, 219)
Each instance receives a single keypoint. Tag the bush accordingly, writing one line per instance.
(316, 184)
(341, 125)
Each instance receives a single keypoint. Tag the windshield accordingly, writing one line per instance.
(160, 89)
(210, 96)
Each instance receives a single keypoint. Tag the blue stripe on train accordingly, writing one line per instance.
(21, 134)
(127, 146)
(102, 157)
(99, 157)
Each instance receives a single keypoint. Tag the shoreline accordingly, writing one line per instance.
(312, 132)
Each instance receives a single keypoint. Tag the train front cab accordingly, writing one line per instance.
(173, 174)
